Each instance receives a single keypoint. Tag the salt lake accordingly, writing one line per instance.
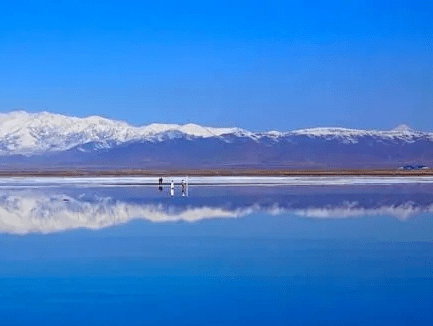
(233, 251)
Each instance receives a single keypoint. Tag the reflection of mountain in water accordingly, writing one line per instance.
(51, 210)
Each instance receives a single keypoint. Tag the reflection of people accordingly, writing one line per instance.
(183, 187)
(172, 188)
(160, 184)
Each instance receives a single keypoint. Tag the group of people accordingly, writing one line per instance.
(184, 187)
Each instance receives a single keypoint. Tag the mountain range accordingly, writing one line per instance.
(47, 140)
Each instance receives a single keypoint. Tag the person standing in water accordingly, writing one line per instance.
(160, 184)
(172, 188)
(183, 188)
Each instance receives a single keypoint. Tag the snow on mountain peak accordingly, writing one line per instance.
(199, 131)
(403, 128)
(28, 133)
(402, 132)
(23, 132)
(322, 131)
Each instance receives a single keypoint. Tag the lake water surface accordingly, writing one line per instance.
(237, 253)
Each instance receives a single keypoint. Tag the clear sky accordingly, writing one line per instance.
(256, 65)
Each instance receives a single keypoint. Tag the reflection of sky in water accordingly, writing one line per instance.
(276, 264)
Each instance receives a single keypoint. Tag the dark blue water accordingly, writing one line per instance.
(255, 269)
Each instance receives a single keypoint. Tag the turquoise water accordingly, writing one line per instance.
(285, 256)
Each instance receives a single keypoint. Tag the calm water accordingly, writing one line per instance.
(281, 255)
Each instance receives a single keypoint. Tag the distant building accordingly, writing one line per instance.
(413, 167)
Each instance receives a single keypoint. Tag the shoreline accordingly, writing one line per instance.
(214, 173)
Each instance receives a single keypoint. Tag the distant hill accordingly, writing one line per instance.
(45, 140)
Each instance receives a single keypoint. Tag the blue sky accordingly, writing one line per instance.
(257, 65)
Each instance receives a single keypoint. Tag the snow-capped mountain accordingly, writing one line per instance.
(402, 132)
(34, 139)
(29, 133)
